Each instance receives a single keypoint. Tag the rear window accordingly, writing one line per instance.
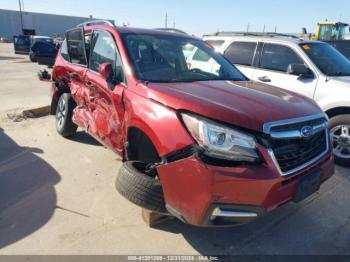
(42, 46)
(241, 53)
(22, 40)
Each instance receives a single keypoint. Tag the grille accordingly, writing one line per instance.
(293, 153)
(293, 126)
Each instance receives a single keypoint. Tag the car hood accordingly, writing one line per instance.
(343, 81)
(246, 104)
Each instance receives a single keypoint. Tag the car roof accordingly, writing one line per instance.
(139, 31)
(173, 30)
(133, 30)
(41, 36)
(273, 39)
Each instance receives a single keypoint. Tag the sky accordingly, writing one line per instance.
(200, 17)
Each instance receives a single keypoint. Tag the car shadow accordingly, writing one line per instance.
(10, 57)
(23, 62)
(27, 194)
(317, 225)
(85, 138)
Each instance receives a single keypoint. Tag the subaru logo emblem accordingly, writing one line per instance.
(307, 131)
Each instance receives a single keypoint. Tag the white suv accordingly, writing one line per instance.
(311, 68)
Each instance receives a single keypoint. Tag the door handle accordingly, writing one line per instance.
(265, 79)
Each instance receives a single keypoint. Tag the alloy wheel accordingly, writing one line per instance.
(61, 113)
(340, 136)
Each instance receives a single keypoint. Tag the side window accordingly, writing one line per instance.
(199, 55)
(64, 51)
(241, 53)
(278, 57)
(215, 43)
(76, 46)
(104, 50)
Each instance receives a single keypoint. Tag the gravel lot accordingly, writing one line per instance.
(57, 196)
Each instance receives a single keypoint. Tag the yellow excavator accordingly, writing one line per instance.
(334, 33)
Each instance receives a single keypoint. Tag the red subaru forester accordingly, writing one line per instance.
(206, 145)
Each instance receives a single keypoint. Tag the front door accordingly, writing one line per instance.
(273, 67)
(105, 102)
(75, 45)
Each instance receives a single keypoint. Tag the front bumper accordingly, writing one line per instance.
(194, 190)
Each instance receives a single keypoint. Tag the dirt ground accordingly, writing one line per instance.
(57, 195)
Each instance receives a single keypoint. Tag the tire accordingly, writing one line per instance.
(64, 112)
(32, 59)
(339, 127)
(139, 188)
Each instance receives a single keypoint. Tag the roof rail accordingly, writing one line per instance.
(172, 30)
(267, 34)
(96, 22)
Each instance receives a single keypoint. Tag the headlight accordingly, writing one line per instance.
(220, 141)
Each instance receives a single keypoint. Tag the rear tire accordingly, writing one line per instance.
(31, 58)
(64, 113)
(339, 127)
(139, 188)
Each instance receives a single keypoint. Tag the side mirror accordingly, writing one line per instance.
(304, 31)
(106, 71)
(299, 70)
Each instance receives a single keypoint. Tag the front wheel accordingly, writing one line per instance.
(140, 188)
(64, 113)
(339, 127)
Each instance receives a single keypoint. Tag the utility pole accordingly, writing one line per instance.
(248, 26)
(20, 12)
(166, 20)
(264, 29)
(275, 28)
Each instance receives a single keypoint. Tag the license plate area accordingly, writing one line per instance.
(308, 185)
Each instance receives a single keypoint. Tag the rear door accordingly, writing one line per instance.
(272, 69)
(106, 103)
(242, 54)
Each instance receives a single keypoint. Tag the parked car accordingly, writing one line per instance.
(44, 53)
(311, 68)
(210, 149)
(48, 42)
(23, 43)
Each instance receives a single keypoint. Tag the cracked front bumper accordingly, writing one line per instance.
(195, 191)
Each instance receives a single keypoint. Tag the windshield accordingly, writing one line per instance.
(332, 32)
(327, 59)
(46, 40)
(164, 58)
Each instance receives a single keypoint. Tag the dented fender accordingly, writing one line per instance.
(157, 121)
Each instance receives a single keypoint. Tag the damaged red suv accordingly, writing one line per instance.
(206, 145)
